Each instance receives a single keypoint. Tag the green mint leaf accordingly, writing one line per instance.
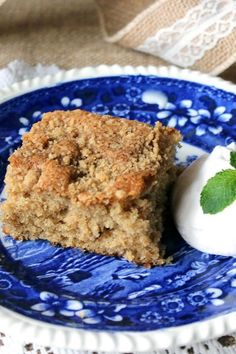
(219, 192)
(233, 159)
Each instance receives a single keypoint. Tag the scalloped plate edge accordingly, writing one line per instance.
(46, 334)
(21, 87)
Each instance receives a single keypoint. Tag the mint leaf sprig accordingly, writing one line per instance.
(233, 159)
(220, 190)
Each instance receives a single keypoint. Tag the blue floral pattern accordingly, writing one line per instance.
(178, 114)
(83, 290)
(155, 317)
(51, 303)
(219, 115)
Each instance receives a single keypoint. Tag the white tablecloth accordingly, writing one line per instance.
(9, 346)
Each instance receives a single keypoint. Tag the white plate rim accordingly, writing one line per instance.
(46, 334)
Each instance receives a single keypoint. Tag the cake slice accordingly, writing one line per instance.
(94, 182)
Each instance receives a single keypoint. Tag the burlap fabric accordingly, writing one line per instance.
(197, 34)
(68, 33)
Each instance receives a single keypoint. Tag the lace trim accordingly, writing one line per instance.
(188, 39)
(18, 70)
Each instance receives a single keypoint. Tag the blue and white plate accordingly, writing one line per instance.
(87, 301)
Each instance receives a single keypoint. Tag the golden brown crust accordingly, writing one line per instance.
(91, 159)
(93, 182)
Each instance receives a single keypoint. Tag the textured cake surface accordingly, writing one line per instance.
(94, 182)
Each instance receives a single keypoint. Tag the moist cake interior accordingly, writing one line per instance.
(94, 182)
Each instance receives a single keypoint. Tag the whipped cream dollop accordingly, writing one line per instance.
(211, 233)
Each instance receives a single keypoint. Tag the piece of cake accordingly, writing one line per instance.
(94, 182)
